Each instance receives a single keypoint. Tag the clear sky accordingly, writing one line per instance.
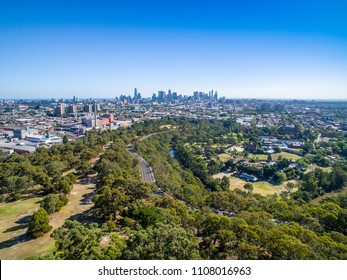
(248, 48)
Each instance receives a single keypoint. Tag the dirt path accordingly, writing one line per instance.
(152, 134)
(149, 135)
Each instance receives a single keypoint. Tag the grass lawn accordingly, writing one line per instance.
(14, 216)
(219, 145)
(14, 209)
(237, 149)
(168, 126)
(285, 155)
(224, 157)
(260, 157)
(236, 183)
(275, 157)
(263, 188)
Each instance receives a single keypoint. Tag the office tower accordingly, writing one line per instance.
(87, 108)
(161, 96)
(215, 96)
(96, 107)
(60, 110)
(72, 109)
(169, 95)
(95, 113)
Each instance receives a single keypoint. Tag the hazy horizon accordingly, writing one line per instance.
(243, 50)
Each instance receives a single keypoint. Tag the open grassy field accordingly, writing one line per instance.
(14, 217)
(237, 149)
(285, 155)
(220, 145)
(221, 175)
(168, 126)
(276, 156)
(224, 157)
(263, 188)
(259, 157)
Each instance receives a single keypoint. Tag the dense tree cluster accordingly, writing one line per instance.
(318, 182)
(119, 182)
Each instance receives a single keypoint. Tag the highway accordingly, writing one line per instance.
(145, 168)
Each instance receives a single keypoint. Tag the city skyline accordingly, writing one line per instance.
(273, 50)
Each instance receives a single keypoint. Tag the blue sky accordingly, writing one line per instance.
(261, 49)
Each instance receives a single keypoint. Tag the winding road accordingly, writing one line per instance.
(145, 168)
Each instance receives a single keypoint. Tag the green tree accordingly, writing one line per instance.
(309, 183)
(39, 223)
(249, 187)
(290, 186)
(53, 203)
(279, 177)
(245, 155)
(109, 202)
(224, 183)
(63, 186)
(65, 139)
(84, 169)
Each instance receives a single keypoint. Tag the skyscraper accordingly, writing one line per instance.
(169, 95)
(215, 97)
(161, 96)
(95, 113)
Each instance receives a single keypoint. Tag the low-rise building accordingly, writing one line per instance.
(248, 177)
(22, 133)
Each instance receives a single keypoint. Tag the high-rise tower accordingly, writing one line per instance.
(95, 113)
